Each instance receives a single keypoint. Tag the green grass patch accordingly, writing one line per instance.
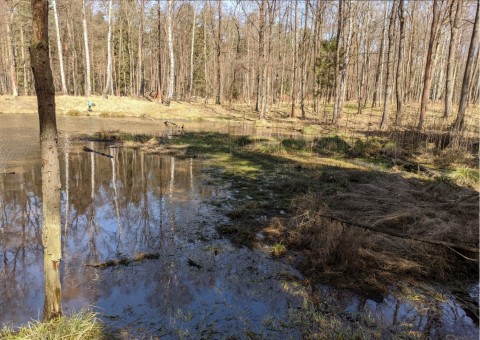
(83, 325)
(295, 144)
(312, 130)
(333, 144)
(466, 177)
(279, 249)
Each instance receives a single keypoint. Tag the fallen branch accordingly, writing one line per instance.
(8, 173)
(449, 245)
(87, 149)
(412, 167)
(167, 122)
(144, 116)
(192, 263)
(125, 261)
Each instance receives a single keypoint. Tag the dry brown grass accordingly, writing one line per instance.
(368, 121)
(360, 259)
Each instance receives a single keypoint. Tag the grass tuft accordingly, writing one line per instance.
(278, 249)
(466, 177)
(83, 325)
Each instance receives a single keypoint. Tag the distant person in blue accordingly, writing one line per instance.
(90, 104)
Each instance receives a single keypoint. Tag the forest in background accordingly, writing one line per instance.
(302, 54)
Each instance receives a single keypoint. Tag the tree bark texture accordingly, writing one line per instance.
(428, 66)
(399, 83)
(51, 228)
(391, 45)
(454, 16)
(11, 48)
(109, 51)
(190, 85)
(342, 77)
(468, 75)
(171, 79)
(88, 86)
(59, 47)
(295, 63)
(379, 71)
(219, 55)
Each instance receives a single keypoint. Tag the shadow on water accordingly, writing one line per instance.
(264, 186)
(200, 285)
(133, 204)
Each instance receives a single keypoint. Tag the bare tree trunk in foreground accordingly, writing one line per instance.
(51, 228)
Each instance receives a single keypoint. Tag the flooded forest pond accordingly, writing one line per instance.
(132, 204)
(197, 285)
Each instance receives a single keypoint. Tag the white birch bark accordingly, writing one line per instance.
(88, 85)
(109, 51)
(59, 48)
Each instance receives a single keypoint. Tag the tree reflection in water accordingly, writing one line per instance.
(145, 203)
(111, 207)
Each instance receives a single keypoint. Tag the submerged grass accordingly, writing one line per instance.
(80, 326)
(126, 261)
(281, 188)
(321, 322)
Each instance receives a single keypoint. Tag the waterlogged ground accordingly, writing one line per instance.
(19, 132)
(198, 285)
(119, 208)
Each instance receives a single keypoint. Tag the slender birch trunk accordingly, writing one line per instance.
(11, 48)
(295, 57)
(205, 55)
(454, 16)
(339, 42)
(24, 63)
(428, 66)
(109, 51)
(159, 58)
(59, 47)
(379, 72)
(261, 61)
(316, 38)
(304, 62)
(219, 43)
(468, 75)
(365, 41)
(172, 58)
(341, 86)
(140, 72)
(388, 85)
(88, 85)
(190, 87)
(399, 83)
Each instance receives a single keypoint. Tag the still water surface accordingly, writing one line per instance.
(132, 204)
(140, 203)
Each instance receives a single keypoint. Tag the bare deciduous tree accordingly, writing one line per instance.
(51, 228)
(428, 65)
(11, 47)
(468, 75)
(109, 50)
(391, 45)
(399, 76)
(454, 16)
(171, 75)
(88, 86)
(59, 47)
